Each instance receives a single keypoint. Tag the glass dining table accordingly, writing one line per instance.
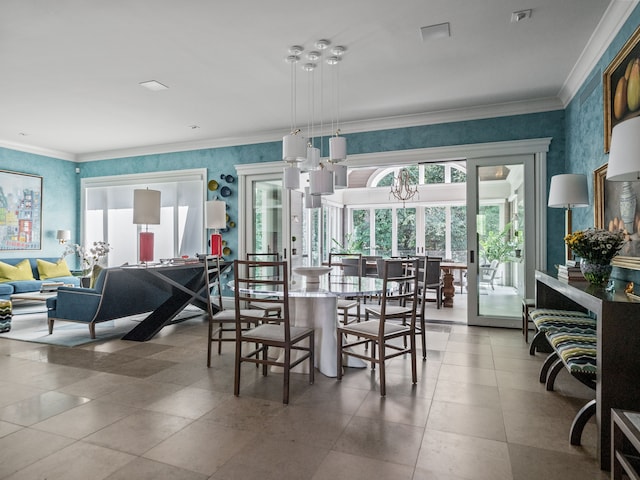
(315, 305)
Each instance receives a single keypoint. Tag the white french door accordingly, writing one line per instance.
(501, 238)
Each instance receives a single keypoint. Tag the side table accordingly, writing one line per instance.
(625, 446)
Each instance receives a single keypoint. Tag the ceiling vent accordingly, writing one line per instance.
(435, 32)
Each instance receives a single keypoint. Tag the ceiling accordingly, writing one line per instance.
(71, 69)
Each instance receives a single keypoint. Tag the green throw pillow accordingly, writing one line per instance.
(21, 271)
(53, 270)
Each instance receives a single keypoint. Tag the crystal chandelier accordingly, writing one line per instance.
(401, 187)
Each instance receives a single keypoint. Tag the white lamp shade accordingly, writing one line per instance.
(63, 235)
(311, 201)
(337, 149)
(146, 207)
(294, 148)
(321, 182)
(624, 154)
(216, 214)
(292, 178)
(568, 190)
(339, 176)
(312, 161)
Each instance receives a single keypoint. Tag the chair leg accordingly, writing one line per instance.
(383, 376)
(424, 339)
(286, 375)
(51, 326)
(92, 330)
(555, 369)
(339, 351)
(580, 421)
(414, 363)
(312, 361)
(544, 370)
(238, 364)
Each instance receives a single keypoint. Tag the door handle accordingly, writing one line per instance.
(472, 256)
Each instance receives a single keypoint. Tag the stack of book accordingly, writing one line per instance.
(570, 272)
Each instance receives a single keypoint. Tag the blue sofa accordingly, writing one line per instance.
(116, 294)
(26, 286)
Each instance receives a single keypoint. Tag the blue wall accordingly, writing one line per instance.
(585, 130)
(60, 197)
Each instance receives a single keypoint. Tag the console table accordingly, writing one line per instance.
(618, 347)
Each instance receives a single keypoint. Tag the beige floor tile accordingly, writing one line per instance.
(202, 447)
(470, 420)
(26, 446)
(530, 463)
(343, 465)
(462, 456)
(39, 407)
(374, 438)
(78, 461)
(138, 432)
(143, 469)
(188, 402)
(85, 419)
(409, 410)
(468, 394)
(467, 359)
(12, 393)
(473, 375)
(244, 413)
(98, 385)
(140, 394)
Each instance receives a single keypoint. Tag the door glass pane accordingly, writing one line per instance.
(435, 231)
(458, 234)
(360, 219)
(500, 191)
(383, 232)
(267, 217)
(406, 231)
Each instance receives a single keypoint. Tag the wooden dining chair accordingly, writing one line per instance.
(270, 310)
(283, 334)
(222, 319)
(393, 321)
(352, 265)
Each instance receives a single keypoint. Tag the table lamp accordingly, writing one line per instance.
(568, 191)
(624, 166)
(146, 211)
(216, 219)
(63, 236)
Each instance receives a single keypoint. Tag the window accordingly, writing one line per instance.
(108, 214)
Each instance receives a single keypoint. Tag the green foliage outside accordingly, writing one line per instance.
(498, 245)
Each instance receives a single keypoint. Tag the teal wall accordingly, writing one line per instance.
(585, 130)
(60, 197)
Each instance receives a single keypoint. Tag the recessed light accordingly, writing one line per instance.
(153, 85)
(435, 32)
(193, 127)
(520, 15)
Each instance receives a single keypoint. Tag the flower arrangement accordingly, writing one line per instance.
(596, 245)
(88, 256)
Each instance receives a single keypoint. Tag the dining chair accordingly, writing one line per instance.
(270, 310)
(432, 281)
(352, 265)
(382, 333)
(280, 334)
(222, 319)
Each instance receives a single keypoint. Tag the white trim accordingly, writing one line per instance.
(148, 177)
(610, 24)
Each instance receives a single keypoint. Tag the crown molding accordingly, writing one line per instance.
(46, 152)
(610, 24)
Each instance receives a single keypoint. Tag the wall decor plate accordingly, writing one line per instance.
(232, 224)
(229, 178)
(212, 185)
(226, 251)
(225, 191)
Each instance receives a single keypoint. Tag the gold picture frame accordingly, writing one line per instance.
(606, 215)
(618, 106)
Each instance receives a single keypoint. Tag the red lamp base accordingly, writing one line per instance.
(216, 244)
(146, 246)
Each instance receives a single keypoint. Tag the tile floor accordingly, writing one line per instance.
(127, 410)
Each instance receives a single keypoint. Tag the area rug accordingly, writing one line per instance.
(32, 327)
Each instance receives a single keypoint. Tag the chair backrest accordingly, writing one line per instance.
(272, 289)
(400, 284)
(212, 273)
(396, 268)
(432, 272)
(258, 271)
(353, 264)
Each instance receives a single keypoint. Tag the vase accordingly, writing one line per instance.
(628, 206)
(595, 273)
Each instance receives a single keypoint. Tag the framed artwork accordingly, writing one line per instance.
(616, 208)
(20, 211)
(621, 81)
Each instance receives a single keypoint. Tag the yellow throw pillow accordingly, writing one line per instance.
(53, 270)
(21, 271)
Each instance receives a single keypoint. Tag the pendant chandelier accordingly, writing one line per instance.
(401, 188)
(300, 154)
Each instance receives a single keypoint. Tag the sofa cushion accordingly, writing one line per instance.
(6, 289)
(26, 286)
(21, 271)
(48, 270)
